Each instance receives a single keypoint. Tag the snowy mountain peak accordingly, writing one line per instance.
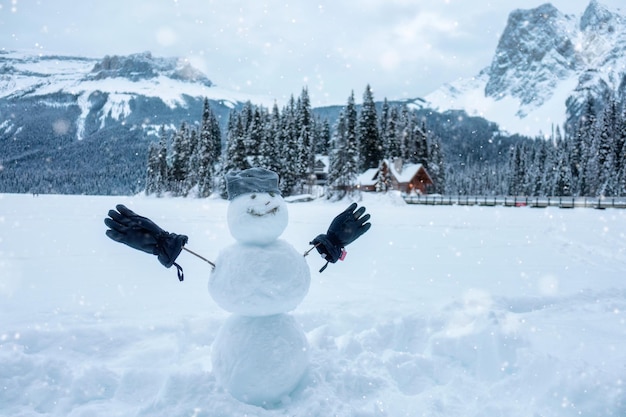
(144, 66)
(534, 53)
(28, 75)
(598, 17)
(543, 60)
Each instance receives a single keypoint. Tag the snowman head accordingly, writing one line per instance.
(257, 214)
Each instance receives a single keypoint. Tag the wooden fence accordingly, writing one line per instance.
(562, 202)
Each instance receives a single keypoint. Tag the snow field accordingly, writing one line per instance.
(436, 311)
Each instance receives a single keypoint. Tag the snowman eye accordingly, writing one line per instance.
(253, 196)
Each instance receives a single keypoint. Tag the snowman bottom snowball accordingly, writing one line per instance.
(260, 360)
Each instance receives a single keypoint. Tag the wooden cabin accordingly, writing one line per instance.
(407, 178)
(320, 169)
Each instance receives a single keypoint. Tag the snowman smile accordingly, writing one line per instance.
(272, 211)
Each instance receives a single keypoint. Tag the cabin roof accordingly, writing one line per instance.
(406, 175)
(408, 171)
(368, 177)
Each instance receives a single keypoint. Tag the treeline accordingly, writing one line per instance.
(185, 161)
(590, 161)
(587, 160)
(192, 162)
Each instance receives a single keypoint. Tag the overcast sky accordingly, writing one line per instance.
(402, 48)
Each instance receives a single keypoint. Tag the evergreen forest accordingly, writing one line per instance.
(463, 155)
(190, 161)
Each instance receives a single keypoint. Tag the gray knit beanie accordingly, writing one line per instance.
(253, 180)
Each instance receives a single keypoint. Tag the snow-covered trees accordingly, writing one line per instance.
(187, 164)
(289, 132)
(369, 143)
(304, 125)
(435, 164)
(179, 165)
(156, 178)
(287, 141)
(283, 141)
(209, 150)
(343, 159)
(588, 162)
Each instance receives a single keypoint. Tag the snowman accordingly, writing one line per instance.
(260, 353)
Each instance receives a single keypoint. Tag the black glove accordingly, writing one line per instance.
(143, 234)
(343, 230)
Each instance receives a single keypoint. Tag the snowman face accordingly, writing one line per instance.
(257, 218)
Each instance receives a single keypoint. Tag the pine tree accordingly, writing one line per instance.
(590, 185)
(245, 117)
(289, 134)
(547, 176)
(193, 163)
(563, 178)
(383, 123)
(343, 158)
(236, 150)
(271, 145)
(181, 153)
(351, 136)
(419, 147)
(369, 143)
(162, 184)
(405, 134)
(620, 141)
(517, 166)
(152, 174)
(235, 157)
(336, 158)
(321, 138)
(391, 138)
(537, 168)
(436, 165)
(304, 123)
(216, 135)
(620, 150)
(383, 178)
(209, 150)
(254, 135)
(621, 175)
(584, 161)
(607, 165)
(210, 132)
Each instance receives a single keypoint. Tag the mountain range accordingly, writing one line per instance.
(544, 66)
(138, 88)
(84, 123)
(63, 116)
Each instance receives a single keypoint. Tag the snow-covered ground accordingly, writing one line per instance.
(436, 311)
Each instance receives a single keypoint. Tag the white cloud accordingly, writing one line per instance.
(166, 36)
(424, 25)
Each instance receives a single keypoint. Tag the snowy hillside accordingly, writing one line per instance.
(545, 64)
(436, 311)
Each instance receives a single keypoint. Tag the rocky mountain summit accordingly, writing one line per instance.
(144, 66)
(545, 65)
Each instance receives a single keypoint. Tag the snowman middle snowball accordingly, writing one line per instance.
(259, 275)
